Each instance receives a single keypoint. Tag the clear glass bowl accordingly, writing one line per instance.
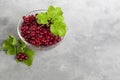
(28, 44)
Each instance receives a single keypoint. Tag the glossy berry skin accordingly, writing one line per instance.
(37, 34)
(21, 56)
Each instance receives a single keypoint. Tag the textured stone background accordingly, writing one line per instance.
(90, 50)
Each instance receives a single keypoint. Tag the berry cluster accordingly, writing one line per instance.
(37, 34)
(21, 56)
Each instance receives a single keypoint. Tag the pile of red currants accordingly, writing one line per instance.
(37, 34)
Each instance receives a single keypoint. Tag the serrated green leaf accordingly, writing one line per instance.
(53, 29)
(9, 45)
(58, 28)
(30, 55)
(58, 18)
(29, 52)
(42, 18)
(5, 45)
(50, 8)
(28, 62)
(21, 44)
(53, 12)
(19, 49)
(11, 50)
(57, 12)
(11, 40)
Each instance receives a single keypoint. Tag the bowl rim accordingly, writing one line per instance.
(28, 44)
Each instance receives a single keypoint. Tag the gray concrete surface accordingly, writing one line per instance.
(90, 50)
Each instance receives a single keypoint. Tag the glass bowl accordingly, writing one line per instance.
(28, 44)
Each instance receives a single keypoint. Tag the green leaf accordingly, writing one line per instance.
(28, 62)
(53, 29)
(21, 44)
(19, 49)
(58, 11)
(42, 18)
(11, 40)
(58, 18)
(29, 52)
(54, 12)
(9, 45)
(50, 8)
(30, 55)
(58, 28)
(11, 50)
(5, 45)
